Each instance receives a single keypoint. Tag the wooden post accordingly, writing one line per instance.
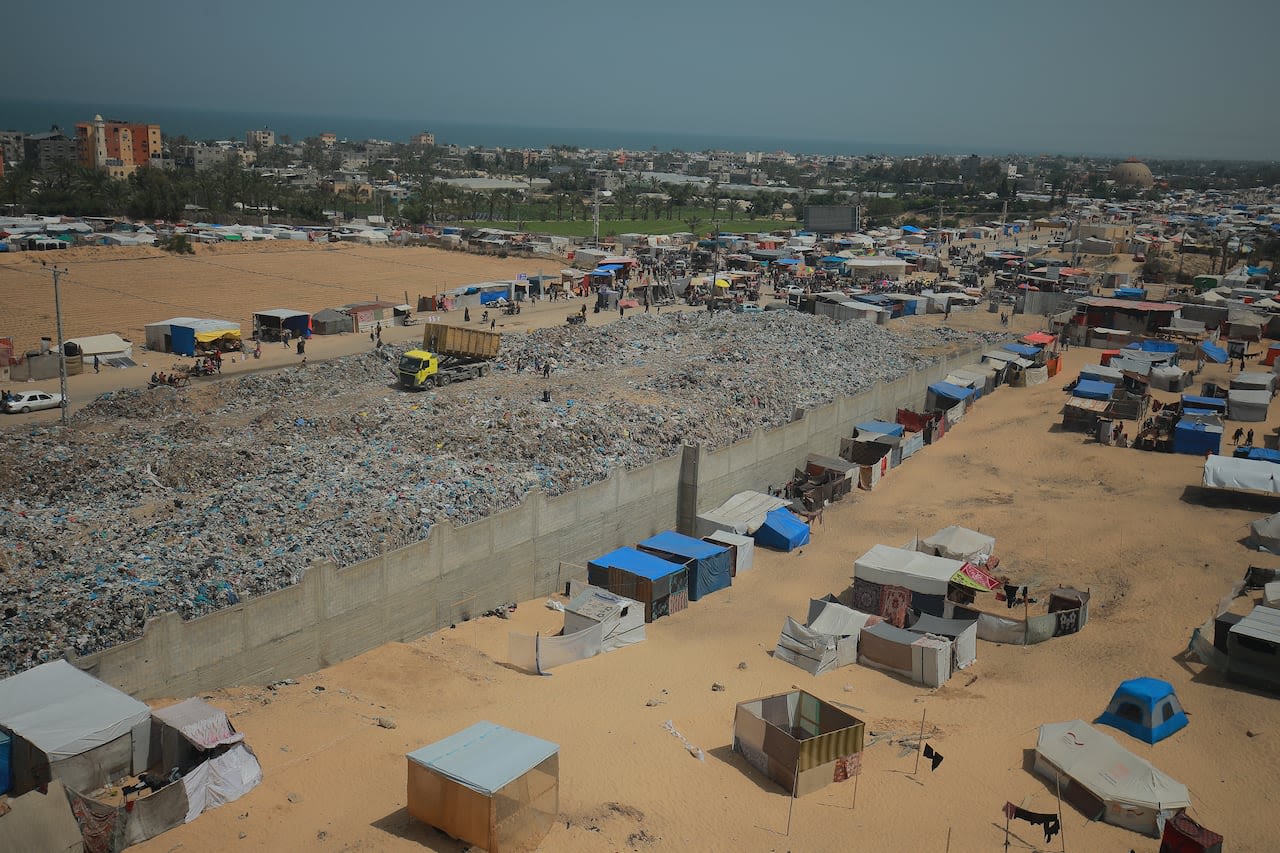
(795, 781)
(1006, 832)
(1057, 783)
(920, 743)
(948, 839)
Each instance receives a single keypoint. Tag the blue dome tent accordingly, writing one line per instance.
(1146, 708)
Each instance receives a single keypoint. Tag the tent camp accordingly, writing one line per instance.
(958, 543)
(185, 335)
(890, 581)
(798, 740)
(1264, 534)
(1145, 708)
(963, 634)
(64, 724)
(708, 565)
(661, 586)
(742, 549)
(923, 659)
(487, 785)
(742, 514)
(1248, 406)
(198, 740)
(621, 619)
(1197, 435)
(1227, 472)
(782, 531)
(1169, 377)
(1104, 780)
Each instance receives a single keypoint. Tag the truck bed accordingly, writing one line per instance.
(457, 342)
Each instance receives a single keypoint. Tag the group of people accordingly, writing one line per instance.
(162, 378)
(1239, 435)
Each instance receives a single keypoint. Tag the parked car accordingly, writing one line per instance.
(30, 401)
(750, 308)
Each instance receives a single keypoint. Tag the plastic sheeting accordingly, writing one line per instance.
(782, 531)
(810, 650)
(1225, 472)
(1248, 406)
(540, 654)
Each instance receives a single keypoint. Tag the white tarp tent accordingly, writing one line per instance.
(103, 346)
(198, 739)
(1248, 406)
(1129, 791)
(958, 543)
(1228, 472)
(924, 659)
(813, 652)
(917, 572)
(1264, 534)
(68, 725)
(742, 514)
(743, 548)
(963, 634)
(621, 620)
(1255, 381)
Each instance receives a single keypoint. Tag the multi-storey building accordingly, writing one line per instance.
(119, 147)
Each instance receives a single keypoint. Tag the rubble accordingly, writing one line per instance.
(196, 499)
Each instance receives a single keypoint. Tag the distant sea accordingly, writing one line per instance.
(39, 116)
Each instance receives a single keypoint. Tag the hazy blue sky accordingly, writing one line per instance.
(1127, 76)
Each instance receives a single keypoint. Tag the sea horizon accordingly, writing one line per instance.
(29, 116)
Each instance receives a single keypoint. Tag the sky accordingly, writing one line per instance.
(1124, 77)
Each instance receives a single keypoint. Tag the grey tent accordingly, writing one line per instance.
(331, 322)
(829, 640)
(1248, 406)
(1264, 534)
(958, 543)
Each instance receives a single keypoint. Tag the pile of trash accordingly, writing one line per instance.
(194, 499)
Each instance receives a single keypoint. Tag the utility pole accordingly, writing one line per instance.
(62, 354)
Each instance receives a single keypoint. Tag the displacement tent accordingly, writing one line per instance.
(1253, 649)
(1090, 389)
(963, 634)
(958, 543)
(782, 531)
(41, 822)
(924, 659)
(828, 641)
(1106, 781)
(709, 566)
(798, 740)
(742, 514)
(1264, 534)
(1248, 406)
(68, 726)
(1145, 708)
(621, 620)
(487, 785)
(1196, 436)
(661, 586)
(107, 347)
(1226, 472)
(198, 740)
(944, 395)
(742, 549)
(890, 581)
(270, 325)
(185, 335)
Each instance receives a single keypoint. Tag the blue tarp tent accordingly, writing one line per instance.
(710, 566)
(911, 229)
(879, 428)
(1024, 350)
(1196, 439)
(1145, 708)
(662, 586)
(1214, 352)
(1153, 346)
(950, 392)
(782, 531)
(1092, 389)
(1130, 293)
(1213, 404)
(1260, 454)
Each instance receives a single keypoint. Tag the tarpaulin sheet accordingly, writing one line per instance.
(1215, 353)
(1225, 472)
(1093, 390)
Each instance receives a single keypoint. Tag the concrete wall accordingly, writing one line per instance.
(460, 572)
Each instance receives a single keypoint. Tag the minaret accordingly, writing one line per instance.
(99, 142)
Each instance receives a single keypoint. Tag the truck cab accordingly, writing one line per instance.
(417, 367)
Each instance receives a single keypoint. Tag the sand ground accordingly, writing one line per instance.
(1063, 509)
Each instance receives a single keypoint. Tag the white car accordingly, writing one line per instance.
(30, 401)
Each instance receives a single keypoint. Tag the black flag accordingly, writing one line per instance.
(935, 757)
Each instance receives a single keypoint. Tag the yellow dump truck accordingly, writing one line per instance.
(448, 354)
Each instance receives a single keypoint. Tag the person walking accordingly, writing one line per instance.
(546, 373)
(466, 315)
(97, 365)
(1236, 436)
(1248, 439)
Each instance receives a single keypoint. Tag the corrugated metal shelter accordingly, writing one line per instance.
(798, 740)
